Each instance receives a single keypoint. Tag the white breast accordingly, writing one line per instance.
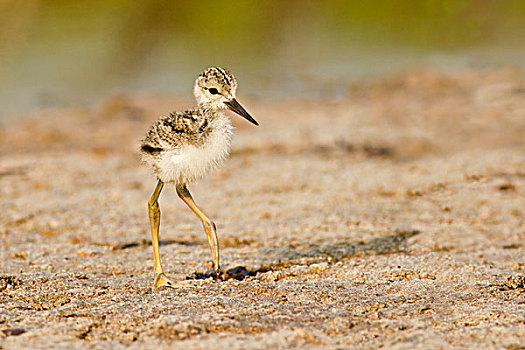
(189, 163)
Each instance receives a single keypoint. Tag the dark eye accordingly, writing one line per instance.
(213, 91)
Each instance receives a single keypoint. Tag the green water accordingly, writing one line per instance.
(67, 53)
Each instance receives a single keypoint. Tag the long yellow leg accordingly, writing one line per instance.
(154, 219)
(209, 226)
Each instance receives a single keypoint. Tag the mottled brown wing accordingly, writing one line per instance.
(171, 132)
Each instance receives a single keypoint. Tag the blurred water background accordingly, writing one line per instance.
(59, 53)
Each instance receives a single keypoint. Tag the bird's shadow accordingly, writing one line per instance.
(145, 243)
(289, 255)
(314, 253)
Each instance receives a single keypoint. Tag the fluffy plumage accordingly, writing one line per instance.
(182, 147)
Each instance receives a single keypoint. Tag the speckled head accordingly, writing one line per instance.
(215, 89)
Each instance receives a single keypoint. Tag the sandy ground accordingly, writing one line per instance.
(393, 218)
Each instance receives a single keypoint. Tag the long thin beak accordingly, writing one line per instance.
(237, 108)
